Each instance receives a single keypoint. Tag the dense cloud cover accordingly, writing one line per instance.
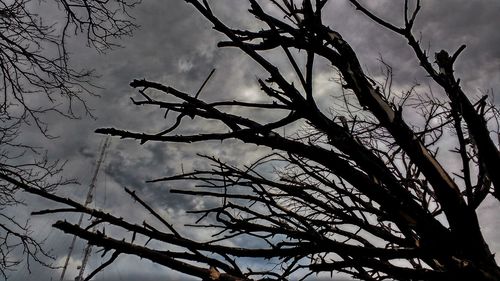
(176, 46)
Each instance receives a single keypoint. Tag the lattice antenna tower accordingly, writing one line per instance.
(88, 200)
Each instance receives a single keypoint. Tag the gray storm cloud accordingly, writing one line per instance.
(175, 45)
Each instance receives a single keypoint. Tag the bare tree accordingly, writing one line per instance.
(37, 79)
(358, 190)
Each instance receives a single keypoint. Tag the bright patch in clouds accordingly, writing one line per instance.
(184, 65)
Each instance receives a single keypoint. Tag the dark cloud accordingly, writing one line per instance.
(176, 46)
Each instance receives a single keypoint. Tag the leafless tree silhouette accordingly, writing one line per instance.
(359, 190)
(37, 79)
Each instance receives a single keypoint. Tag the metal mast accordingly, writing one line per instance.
(88, 200)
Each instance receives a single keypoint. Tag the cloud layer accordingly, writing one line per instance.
(176, 46)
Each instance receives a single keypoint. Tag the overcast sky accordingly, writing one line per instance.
(176, 46)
